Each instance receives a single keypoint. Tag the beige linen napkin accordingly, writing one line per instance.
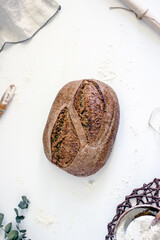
(22, 19)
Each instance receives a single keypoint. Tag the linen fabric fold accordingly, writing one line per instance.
(21, 19)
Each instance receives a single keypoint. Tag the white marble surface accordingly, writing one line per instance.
(85, 40)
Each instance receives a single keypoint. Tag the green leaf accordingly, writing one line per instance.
(24, 235)
(13, 235)
(8, 227)
(23, 231)
(16, 211)
(1, 218)
(24, 198)
(20, 238)
(23, 205)
(17, 227)
(19, 219)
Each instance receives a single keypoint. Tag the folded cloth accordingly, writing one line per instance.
(22, 19)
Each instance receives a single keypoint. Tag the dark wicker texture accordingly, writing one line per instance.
(148, 194)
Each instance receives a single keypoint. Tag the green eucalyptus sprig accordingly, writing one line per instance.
(18, 233)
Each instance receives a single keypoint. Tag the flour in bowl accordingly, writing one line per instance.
(139, 229)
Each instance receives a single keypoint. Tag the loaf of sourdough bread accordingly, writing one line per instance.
(81, 127)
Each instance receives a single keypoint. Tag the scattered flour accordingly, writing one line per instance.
(106, 72)
(91, 181)
(20, 180)
(44, 218)
(115, 68)
(134, 131)
(90, 185)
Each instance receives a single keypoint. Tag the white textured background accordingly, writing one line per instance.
(85, 40)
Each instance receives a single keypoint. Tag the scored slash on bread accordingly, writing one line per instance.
(90, 105)
(64, 140)
(81, 127)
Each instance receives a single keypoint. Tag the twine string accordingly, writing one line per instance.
(140, 17)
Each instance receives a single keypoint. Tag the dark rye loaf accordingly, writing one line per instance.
(81, 127)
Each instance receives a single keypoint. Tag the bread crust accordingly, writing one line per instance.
(95, 143)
